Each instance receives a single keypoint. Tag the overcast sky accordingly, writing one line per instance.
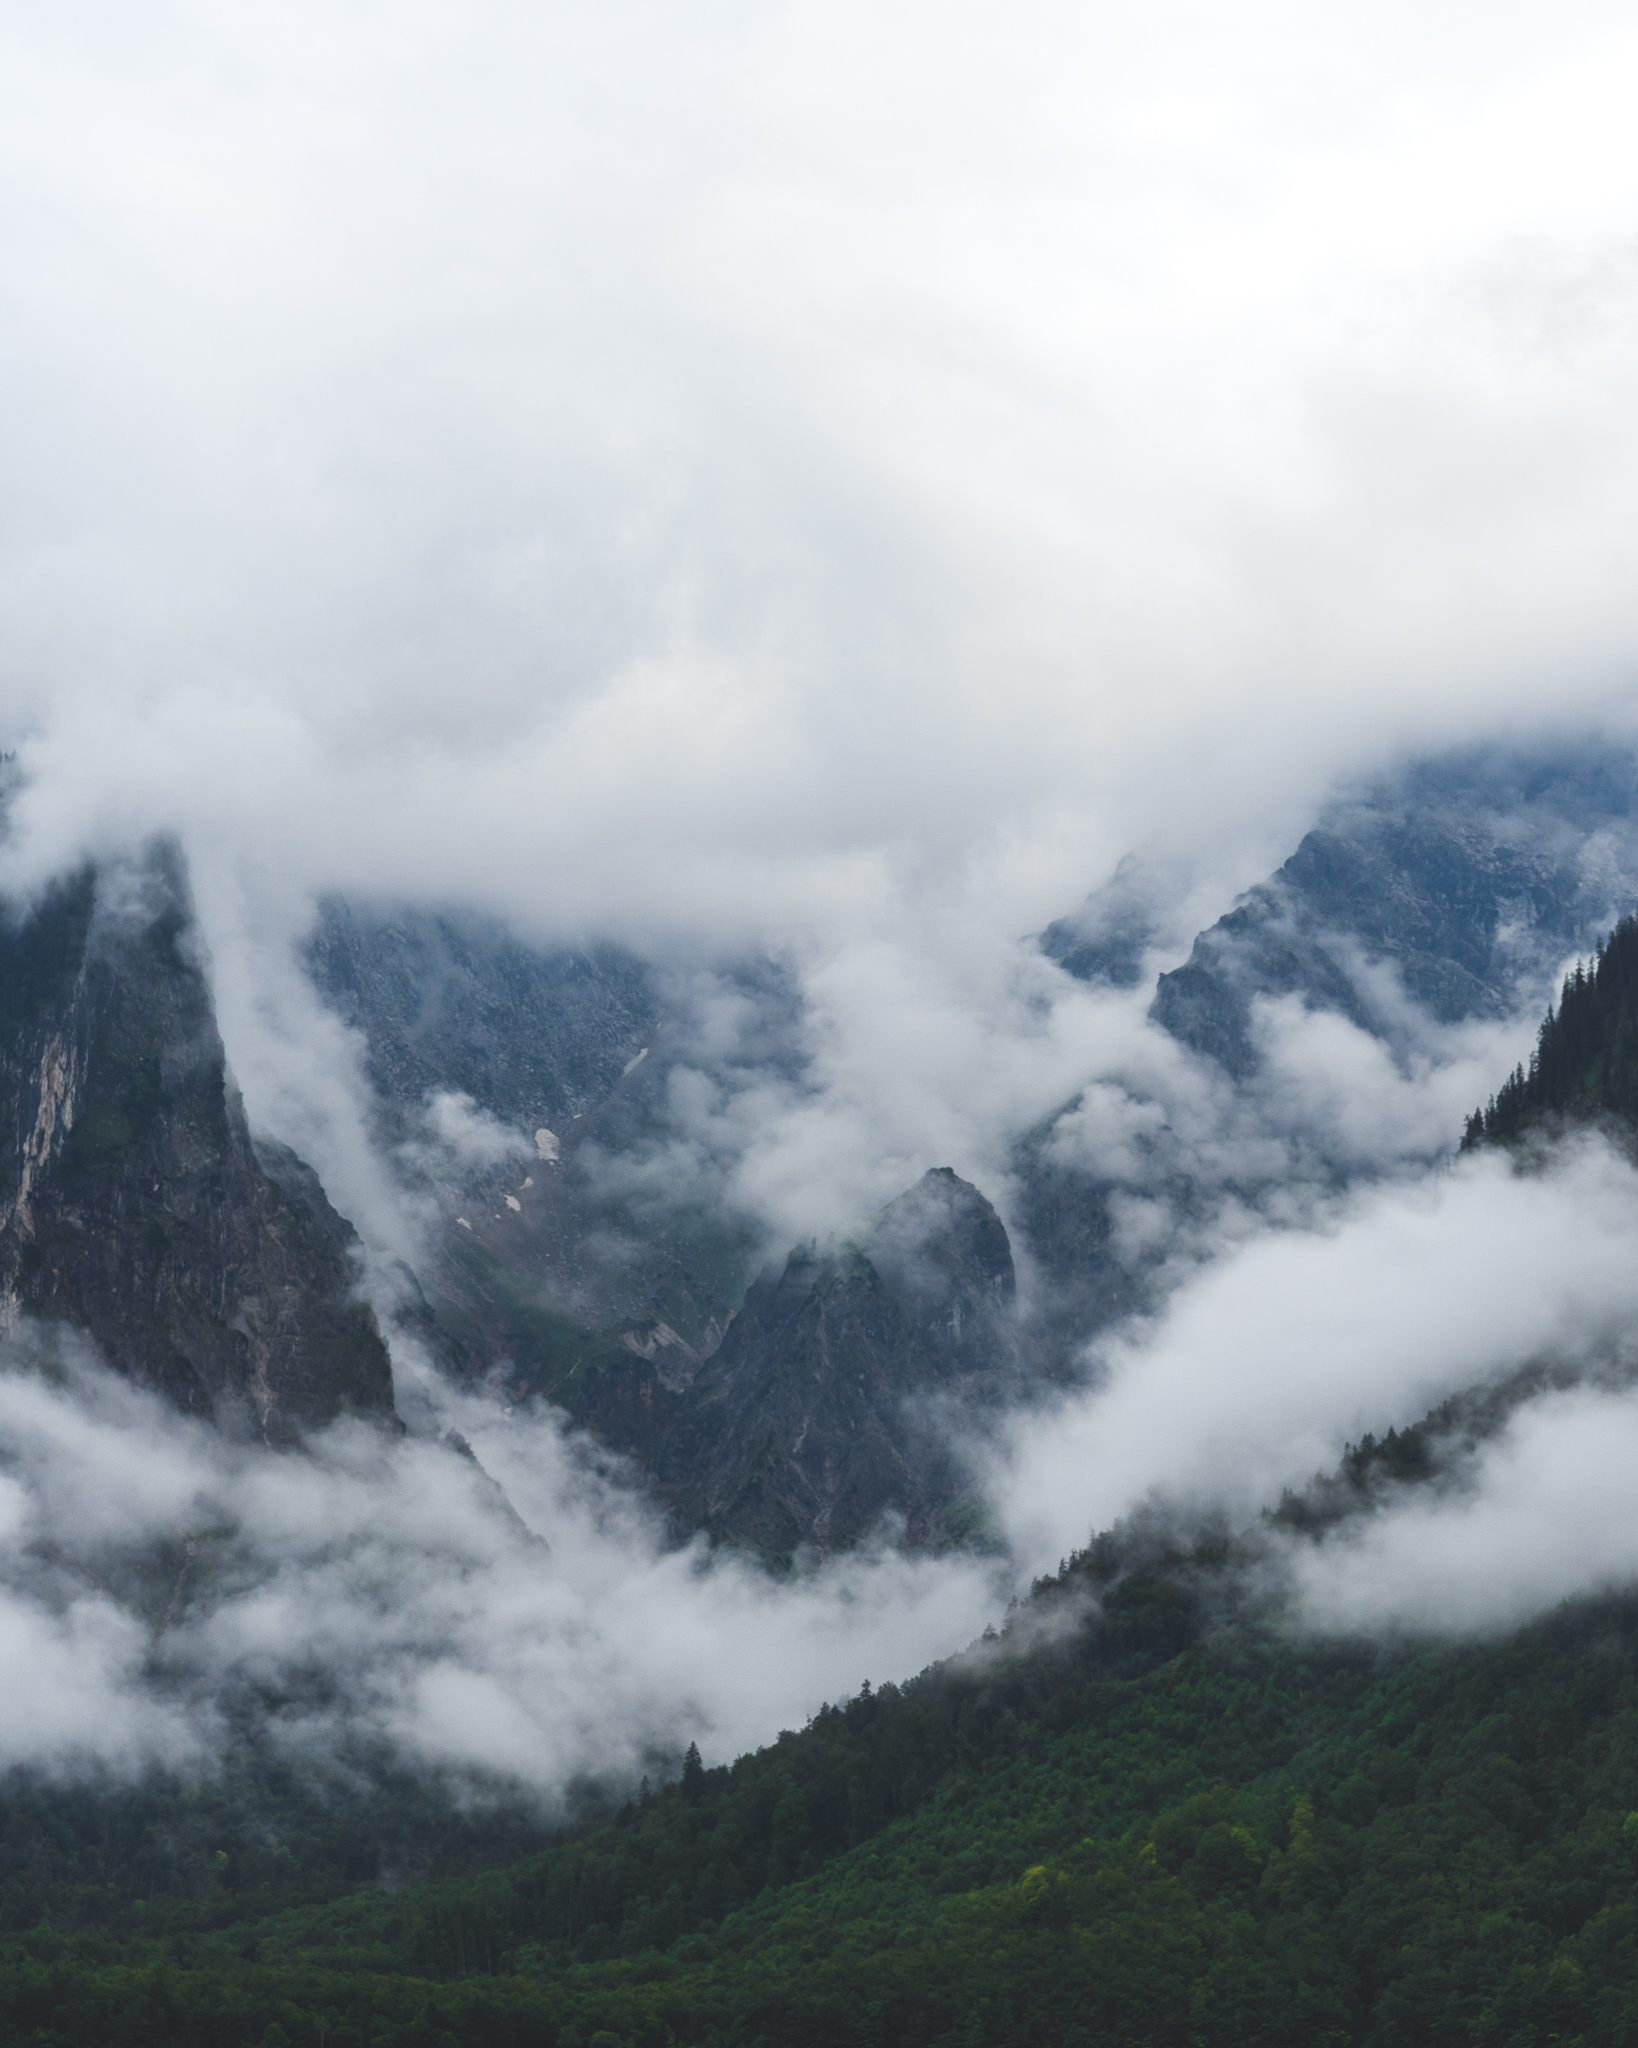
(778, 468)
(832, 477)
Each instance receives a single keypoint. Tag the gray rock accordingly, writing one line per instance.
(135, 1207)
(816, 1417)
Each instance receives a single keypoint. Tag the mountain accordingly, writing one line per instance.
(828, 1403)
(1451, 889)
(136, 1207)
(823, 1415)
(1150, 1809)
(457, 1003)
(799, 1413)
(584, 1268)
(566, 1224)
(600, 1263)
(1468, 877)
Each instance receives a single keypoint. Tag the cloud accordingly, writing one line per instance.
(753, 472)
(470, 1135)
(371, 1588)
(813, 480)
(759, 478)
(1260, 1368)
(1544, 1513)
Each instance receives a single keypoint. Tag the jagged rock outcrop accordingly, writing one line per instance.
(1470, 878)
(1451, 889)
(1469, 875)
(1432, 900)
(818, 1414)
(570, 1261)
(133, 1205)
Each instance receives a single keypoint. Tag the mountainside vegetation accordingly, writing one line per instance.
(1585, 1063)
(1146, 1812)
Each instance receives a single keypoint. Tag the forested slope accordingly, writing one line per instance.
(1585, 1063)
(1169, 1822)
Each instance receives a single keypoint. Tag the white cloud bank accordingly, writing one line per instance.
(1546, 1512)
(1258, 1372)
(785, 469)
(834, 478)
(380, 1590)
(791, 475)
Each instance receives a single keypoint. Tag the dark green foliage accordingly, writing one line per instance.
(1367, 1469)
(1585, 1065)
(1259, 1842)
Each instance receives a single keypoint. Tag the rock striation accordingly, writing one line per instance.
(133, 1204)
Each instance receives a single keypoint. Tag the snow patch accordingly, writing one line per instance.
(546, 1146)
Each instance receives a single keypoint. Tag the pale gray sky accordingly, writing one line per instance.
(829, 476)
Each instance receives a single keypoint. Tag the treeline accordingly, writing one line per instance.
(683, 1857)
(160, 1867)
(1585, 1063)
(1145, 1813)
(1258, 1843)
(112, 1860)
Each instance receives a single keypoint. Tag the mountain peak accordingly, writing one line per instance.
(137, 1209)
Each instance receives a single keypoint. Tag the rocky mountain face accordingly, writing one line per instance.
(599, 1264)
(135, 1207)
(1467, 878)
(818, 1414)
(595, 1261)
(824, 1409)
(1452, 890)
(449, 1003)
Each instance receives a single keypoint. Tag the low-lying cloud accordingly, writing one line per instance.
(1261, 1368)
(372, 1589)
(1541, 1514)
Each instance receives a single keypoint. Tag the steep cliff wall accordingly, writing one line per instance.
(133, 1205)
(813, 1419)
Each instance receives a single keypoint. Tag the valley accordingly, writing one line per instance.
(1164, 1799)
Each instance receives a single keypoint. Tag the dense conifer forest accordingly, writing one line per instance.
(1142, 1814)
(1585, 1064)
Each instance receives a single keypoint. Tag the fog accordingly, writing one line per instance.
(817, 483)
(883, 465)
(372, 1590)
(791, 479)
(1543, 1516)
(1260, 1370)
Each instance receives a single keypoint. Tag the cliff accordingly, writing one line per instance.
(134, 1205)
